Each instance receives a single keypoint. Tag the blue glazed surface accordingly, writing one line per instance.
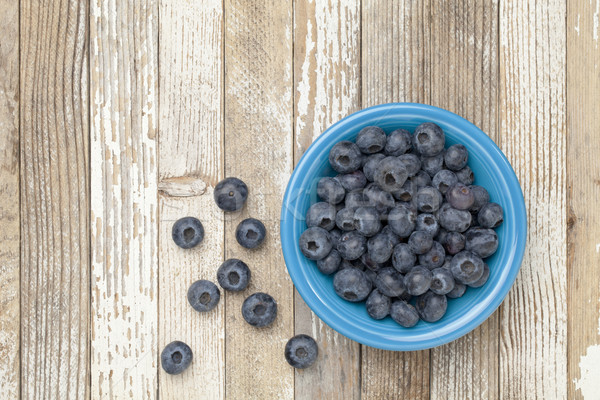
(492, 171)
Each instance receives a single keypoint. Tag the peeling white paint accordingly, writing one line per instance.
(577, 26)
(589, 366)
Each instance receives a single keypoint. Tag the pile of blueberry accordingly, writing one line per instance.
(401, 226)
(259, 309)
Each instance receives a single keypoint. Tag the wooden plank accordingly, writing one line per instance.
(327, 88)
(191, 154)
(9, 200)
(124, 47)
(583, 172)
(259, 150)
(533, 318)
(395, 67)
(464, 80)
(55, 254)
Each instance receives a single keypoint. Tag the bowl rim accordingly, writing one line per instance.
(288, 242)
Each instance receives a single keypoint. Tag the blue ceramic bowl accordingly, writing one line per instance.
(492, 171)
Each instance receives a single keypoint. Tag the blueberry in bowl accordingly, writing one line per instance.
(439, 311)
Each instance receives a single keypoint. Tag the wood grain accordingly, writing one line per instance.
(124, 220)
(583, 172)
(55, 309)
(395, 67)
(9, 200)
(259, 150)
(190, 164)
(464, 80)
(327, 88)
(533, 318)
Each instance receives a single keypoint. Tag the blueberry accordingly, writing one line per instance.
(466, 267)
(444, 180)
(490, 215)
(429, 139)
(176, 357)
(417, 280)
(434, 258)
(331, 263)
(441, 236)
(465, 176)
(352, 180)
(387, 230)
(402, 220)
(344, 219)
(330, 190)
(366, 221)
(352, 284)
(481, 241)
(378, 305)
(356, 198)
(379, 198)
(442, 281)
(456, 157)
(407, 191)
(411, 163)
(369, 263)
(420, 242)
(370, 164)
(315, 243)
(345, 157)
(432, 165)
(390, 282)
(431, 307)
(380, 247)
(403, 258)
(481, 281)
(203, 295)
(458, 291)
(428, 223)
(230, 194)
(233, 275)
(428, 199)
(321, 214)
(371, 139)
(447, 262)
(460, 197)
(357, 264)
(250, 233)
(481, 197)
(259, 309)
(301, 351)
(398, 142)
(187, 232)
(390, 174)
(371, 276)
(351, 245)
(404, 314)
(454, 220)
(334, 236)
(421, 179)
(455, 242)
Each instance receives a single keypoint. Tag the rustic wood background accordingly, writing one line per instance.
(119, 116)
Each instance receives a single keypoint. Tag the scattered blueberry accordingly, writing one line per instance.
(434, 257)
(259, 309)
(230, 194)
(351, 245)
(444, 180)
(466, 267)
(428, 199)
(398, 142)
(176, 357)
(366, 221)
(250, 233)
(390, 282)
(203, 295)
(404, 314)
(187, 232)
(345, 157)
(465, 176)
(420, 242)
(456, 157)
(460, 197)
(429, 139)
(315, 243)
(352, 284)
(378, 305)
(321, 214)
(418, 280)
(428, 223)
(442, 281)
(403, 258)
(431, 307)
(390, 174)
(352, 180)
(301, 351)
(454, 242)
(233, 275)
(330, 190)
(490, 215)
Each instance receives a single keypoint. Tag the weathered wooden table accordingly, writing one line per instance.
(117, 117)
